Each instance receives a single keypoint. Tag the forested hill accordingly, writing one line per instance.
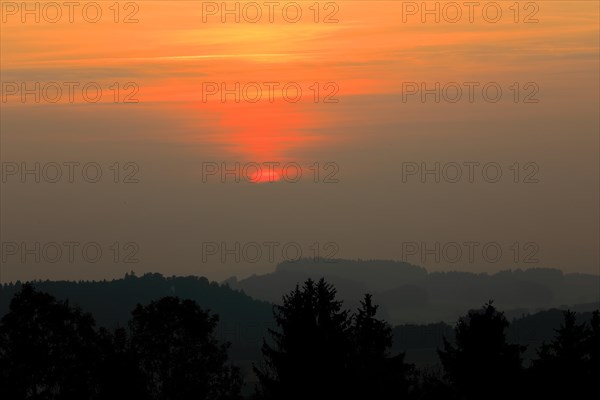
(244, 320)
(410, 294)
(111, 302)
(421, 342)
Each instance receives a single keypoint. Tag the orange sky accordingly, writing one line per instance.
(364, 61)
(171, 52)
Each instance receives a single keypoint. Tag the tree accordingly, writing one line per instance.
(322, 352)
(373, 337)
(48, 349)
(175, 347)
(593, 345)
(375, 374)
(310, 354)
(568, 365)
(482, 364)
(120, 377)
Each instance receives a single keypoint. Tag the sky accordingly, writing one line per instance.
(219, 138)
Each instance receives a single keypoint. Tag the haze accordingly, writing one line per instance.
(368, 200)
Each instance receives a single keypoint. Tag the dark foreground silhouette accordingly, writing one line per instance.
(50, 349)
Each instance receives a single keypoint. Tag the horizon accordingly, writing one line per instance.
(266, 200)
(314, 263)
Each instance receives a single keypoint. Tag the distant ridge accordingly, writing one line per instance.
(409, 294)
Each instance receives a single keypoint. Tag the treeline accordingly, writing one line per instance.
(111, 301)
(242, 319)
(50, 349)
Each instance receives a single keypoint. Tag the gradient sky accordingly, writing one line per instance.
(369, 55)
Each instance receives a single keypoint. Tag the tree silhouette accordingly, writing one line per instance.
(174, 345)
(593, 345)
(320, 351)
(375, 374)
(120, 377)
(48, 349)
(310, 355)
(483, 364)
(568, 365)
(51, 350)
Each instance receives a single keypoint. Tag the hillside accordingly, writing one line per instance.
(409, 294)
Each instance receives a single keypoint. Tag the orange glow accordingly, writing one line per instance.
(171, 52)
(265, 131)
(265, 177)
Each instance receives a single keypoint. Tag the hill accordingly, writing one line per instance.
(408, 294)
